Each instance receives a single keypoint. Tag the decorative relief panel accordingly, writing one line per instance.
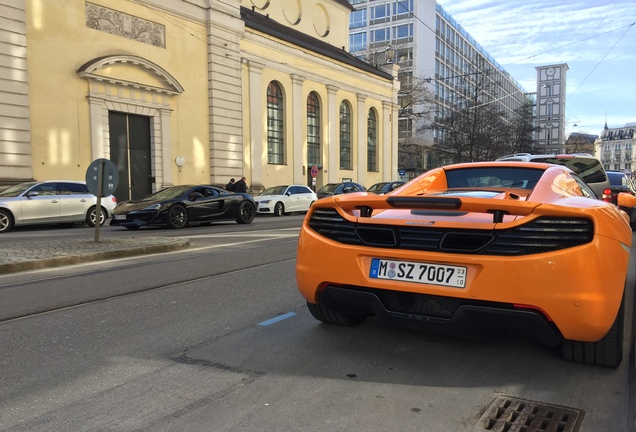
(124, 25)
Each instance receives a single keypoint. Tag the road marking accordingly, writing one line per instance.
(277, 318)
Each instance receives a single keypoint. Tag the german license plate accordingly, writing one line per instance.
(119, 217)
(433, 274)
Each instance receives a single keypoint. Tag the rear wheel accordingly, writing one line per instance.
(279, 209)
(6, 221)
(247, 211)
(177, 217)
(91, 216)
(608, 352)
(328, 316)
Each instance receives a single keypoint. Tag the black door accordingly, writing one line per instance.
(130, 152)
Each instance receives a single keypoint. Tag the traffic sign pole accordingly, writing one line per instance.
(100, 191)
(102, 177)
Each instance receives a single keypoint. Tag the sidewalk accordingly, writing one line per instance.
(16, 257)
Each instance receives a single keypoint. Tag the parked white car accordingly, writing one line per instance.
(51, 202)
(283, 200)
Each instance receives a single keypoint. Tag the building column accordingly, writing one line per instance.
(168, 163)
(333, 141)
(298, 149)
(386, 143)
(362, 138)
(394, 142)
(256, 96)
(225, 84)
(16, 150)
(96, 110)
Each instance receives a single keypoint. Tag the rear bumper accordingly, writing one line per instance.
(567, 289)
(484, 320)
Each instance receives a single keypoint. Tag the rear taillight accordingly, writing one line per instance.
(607, 195)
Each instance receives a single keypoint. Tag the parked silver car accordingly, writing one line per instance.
(51, 202)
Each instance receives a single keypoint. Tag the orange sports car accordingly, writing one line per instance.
(487, 249)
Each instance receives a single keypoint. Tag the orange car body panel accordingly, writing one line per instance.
(579, 288)
(626, 200)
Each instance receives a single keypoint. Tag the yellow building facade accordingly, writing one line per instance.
(191, 91)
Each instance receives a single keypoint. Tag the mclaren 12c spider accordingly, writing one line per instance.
(485, 249)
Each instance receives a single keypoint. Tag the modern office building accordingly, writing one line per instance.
(427, 43)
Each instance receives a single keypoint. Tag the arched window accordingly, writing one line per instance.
(345, 135)
(372, 141)
(275, 125)
(313, 129)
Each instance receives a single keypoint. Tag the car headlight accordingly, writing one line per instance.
(265, 201)
(153, 207)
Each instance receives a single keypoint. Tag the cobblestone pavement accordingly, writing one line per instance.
(15, 257)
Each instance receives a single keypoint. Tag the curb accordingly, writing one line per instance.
(78, 257)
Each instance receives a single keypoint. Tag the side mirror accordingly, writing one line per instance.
(31, 194)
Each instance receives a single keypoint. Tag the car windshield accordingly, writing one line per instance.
(617, 179)
(15, 190)
(275, 190)
(330, 187)
(377, 186)
(503, 177)
(168, 193)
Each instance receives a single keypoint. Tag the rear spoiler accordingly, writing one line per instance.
(497, 207)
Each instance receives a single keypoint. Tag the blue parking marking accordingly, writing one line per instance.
(276, 319)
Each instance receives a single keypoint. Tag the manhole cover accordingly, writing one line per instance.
(509, 414)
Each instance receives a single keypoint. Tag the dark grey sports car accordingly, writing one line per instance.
(179, 206)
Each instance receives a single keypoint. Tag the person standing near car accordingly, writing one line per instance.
(240, 186)
(230, 186)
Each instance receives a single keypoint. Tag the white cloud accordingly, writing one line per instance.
(593, 37)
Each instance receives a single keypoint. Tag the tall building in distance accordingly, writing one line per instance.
(430, 46)
(550, 108)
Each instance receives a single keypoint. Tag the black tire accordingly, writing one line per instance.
(608, 352)
(279, 209)
(177, 217)
(328, 316)
(247, 211)
(91, 216)
(6, 221)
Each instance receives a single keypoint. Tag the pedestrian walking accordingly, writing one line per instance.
(230, 186)
(240, 186)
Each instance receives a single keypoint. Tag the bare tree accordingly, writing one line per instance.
(471, 125)
(522, 131)
(580, 143)
(414, 100)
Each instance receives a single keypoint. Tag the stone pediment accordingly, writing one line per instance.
(130, 71)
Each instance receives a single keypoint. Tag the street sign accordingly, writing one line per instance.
(401, 172)
(102, 178)
(109, 176)
(314, 171)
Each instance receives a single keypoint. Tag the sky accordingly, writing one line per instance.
(596, 38)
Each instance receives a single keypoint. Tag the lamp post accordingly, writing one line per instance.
(389, 54)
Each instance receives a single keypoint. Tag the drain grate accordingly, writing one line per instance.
(509, 414)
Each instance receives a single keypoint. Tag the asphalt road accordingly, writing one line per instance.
(216, 338)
